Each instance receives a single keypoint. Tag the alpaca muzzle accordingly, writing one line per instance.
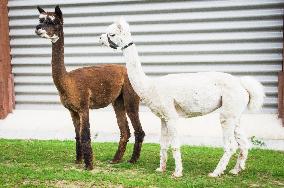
(111, 43)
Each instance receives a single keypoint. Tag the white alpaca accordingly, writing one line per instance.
(190, 95)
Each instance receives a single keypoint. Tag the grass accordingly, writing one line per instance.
(32, 163)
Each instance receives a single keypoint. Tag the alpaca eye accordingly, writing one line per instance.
(112, 35)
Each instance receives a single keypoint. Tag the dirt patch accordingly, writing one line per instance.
(69, 184)
(278, 183)
(31, 182)
(103, 169)
(254, 185)
(80, 184)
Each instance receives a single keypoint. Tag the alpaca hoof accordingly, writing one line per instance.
(177, 174)
(234, 171)
(114, 161)
(78, 161)
(160, 169)
(213, 175)
(132, 161)
(89, 168)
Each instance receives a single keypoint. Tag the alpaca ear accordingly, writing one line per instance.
(121, 23)
(40, 10)
(121, 20)
(58, 12)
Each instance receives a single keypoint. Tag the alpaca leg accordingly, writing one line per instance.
(230, 146)
(139, 135)
(175, 145)
(76, 121)
(165, 143)
(131, 103)
(86, 139)
(244, 147)
(124, 129)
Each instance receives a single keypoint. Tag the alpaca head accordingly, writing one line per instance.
(117, 36)
(50, 24)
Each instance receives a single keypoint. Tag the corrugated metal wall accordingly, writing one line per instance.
(239, 37)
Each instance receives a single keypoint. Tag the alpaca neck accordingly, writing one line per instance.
(137, 77)
(58, 67)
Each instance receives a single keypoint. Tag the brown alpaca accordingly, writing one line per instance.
(91, 88)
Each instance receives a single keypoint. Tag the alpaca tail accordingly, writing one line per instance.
(256, 92)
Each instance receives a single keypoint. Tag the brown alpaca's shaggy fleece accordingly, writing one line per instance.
(92, 88)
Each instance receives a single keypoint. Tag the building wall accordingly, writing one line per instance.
(239, 37)
(6, 78)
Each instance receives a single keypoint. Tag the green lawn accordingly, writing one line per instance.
(33, 163)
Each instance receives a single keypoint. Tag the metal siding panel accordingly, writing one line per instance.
(181, 38)
(228, 26)
(157, 18)
(239, 37)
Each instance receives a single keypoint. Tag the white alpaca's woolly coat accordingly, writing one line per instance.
(190, 95)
